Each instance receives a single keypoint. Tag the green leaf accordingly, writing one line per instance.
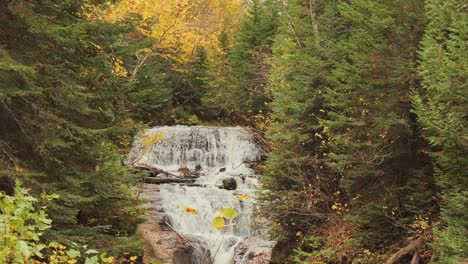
(38, 250)
(92, 260)
(91, 251)
(24, 248)
(229, 213)
(73, 253)
(54, 244)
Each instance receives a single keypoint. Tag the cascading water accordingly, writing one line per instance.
(221, 153)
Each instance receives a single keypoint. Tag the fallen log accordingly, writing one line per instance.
(145, 167)
(416, 258)
(152, 172)
(405, 251)
(157, 180)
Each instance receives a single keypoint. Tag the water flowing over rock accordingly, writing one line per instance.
(215, 154)
(209, 147)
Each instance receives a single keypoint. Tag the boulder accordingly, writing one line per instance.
(229, 184)
(184, 170)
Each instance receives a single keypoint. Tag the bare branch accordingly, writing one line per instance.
(313, 18)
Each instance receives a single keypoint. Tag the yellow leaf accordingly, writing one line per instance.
(299, 234)
(218, 222)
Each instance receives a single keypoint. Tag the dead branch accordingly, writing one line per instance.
(404, 251)
(291, 25)
(179, 235)
(313, 18)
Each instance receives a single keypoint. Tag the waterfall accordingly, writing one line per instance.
(220, 153)
(210, 147)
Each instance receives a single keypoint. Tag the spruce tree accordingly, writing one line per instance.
(372, 137)
(298, 188)
(442, 107)
(63, 114)
(242, 92)
(345, 146)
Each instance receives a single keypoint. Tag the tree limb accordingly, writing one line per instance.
(313, 18)
(291, 25)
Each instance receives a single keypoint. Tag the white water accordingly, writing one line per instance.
(213, 148)
(210, 147)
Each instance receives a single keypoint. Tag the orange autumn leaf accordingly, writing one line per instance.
(190, 210)
(243, 197)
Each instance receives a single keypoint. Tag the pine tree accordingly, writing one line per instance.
(441, 108)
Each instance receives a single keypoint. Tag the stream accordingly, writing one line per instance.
(222, 159)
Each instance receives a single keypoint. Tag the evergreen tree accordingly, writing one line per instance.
(441, 107)
(241, 92)
(345, 144)
(63, 113)
(298, 188)
(374, 146)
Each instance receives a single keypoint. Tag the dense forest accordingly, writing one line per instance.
(363, 104)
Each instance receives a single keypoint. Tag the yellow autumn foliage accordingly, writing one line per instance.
(179, 25)
(148, 139)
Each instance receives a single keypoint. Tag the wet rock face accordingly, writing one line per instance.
(165, 223)
(161, 238)
(229, 184)
(253, 250)
(191, 252)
